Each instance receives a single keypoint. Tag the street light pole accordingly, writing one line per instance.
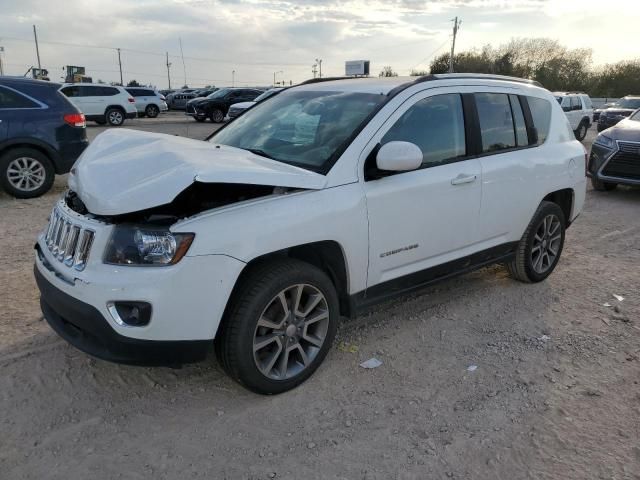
(35, 36)
(274, 76)
(120, 63)
(233, 78)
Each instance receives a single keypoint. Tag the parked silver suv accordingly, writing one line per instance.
(149, 102)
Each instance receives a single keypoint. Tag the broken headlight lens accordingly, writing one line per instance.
(142, 246)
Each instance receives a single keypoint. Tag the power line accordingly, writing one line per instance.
(430, 55)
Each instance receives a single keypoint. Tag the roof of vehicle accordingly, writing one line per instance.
(141, 88)
(92, 85)
(384, 85)
(27, 81)
(569, 93)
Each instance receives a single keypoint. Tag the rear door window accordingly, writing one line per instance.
(496, 122)
(436, 125)
(541, 116)
(576, 104)
(72, 91)
(11, 99)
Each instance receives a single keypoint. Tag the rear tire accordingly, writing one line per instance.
(26, 173)
(581, 131)
(298, 335)
(152, 111)
(540, 247)
(114, 116)
(602, 186)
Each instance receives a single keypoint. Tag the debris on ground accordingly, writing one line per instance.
(618, 297)
(371, 363)
(348, 347)
(544, 338)
(472, 368)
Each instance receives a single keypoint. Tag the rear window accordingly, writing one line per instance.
(11, 99)
(496, 121)
(541, 116)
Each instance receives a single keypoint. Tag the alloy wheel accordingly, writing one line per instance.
(26, 174)
(115, 117)
(546, 243)
(290, 332)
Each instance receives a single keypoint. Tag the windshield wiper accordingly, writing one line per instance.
(262, 153)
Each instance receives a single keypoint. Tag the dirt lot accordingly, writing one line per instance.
(555, 393)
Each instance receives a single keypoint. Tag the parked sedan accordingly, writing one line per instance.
(615, 155)
(237, 108)
(622, 109)
(41, 134)
(216, 105)
(149, 103)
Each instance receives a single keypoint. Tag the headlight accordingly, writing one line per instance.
(143, 246)
(604, 141)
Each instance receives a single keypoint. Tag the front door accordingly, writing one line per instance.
(427, 217)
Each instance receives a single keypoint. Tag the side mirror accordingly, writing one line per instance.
(399, 157)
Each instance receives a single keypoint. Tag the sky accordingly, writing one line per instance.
(247, 42)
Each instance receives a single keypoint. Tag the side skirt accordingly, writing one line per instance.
(382, 292)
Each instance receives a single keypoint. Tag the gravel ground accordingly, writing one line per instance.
(555, 393)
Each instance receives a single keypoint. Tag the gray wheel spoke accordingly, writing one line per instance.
(290, 331)
(535, 249)
(260, 342)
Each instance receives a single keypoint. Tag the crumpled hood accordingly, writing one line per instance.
(125, 171)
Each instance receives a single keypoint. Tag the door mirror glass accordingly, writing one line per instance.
(399, 157)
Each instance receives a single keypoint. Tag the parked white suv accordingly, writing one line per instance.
(101, 103)
(149, 103)
(579, 111)
(317, 202)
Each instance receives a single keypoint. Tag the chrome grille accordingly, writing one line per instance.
(69, 243)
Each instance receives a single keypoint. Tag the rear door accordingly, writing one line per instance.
(72, 92)
(92, 100)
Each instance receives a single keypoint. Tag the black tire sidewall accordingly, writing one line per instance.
(251, 308)
(213, 116)
(151, 111)
(11, 155)
(106, 117)
(547, 209)
(577, 132)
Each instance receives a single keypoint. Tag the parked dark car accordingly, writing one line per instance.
(597, 111)
(216, 105)
(615, 155)
(239, 108)
(622, 109)
(178, 100)
(41, 135)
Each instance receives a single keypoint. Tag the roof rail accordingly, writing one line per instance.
(480, 76)
(327, 79)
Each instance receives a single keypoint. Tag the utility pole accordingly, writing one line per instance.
(456, 24)
(168, 71)
(319, 62)
(274, 77)
(314, 69)
(233, 78)
(120, 63)
(1, 67)
(35, 35)
(184, 67)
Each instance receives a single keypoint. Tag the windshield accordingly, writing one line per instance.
(219, 93)
(302, 128)
(631, 103)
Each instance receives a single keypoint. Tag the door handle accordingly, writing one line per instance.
(462, 178)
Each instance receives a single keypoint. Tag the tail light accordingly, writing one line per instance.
(75, 119)
(131, 100)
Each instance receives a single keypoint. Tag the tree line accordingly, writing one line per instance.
(555, 66)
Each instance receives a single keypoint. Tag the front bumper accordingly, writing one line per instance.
(84, 327)
(188, 299)
(619, 165)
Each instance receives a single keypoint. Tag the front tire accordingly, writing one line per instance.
(217, 116)
(114, 117)
(279, 327)
(26, 173)
(602, 186)
(540, 247)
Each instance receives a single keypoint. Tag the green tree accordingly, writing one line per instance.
(133, 83)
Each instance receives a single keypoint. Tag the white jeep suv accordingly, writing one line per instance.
(318, 202)
(101, 103)
(579, 111)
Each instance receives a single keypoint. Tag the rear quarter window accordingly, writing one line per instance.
(541, 116)
(11, 99)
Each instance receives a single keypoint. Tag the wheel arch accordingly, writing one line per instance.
(564, 198)
(327, 255)
(119, 107)
(42, 147)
